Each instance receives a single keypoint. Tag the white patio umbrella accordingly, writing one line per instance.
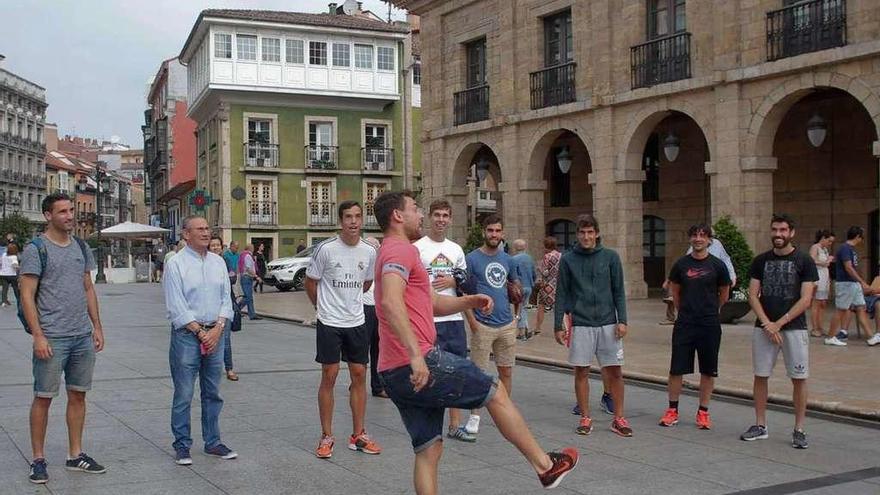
(134, 230)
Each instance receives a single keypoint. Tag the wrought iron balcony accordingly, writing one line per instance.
(322, 214)
(661, 60)
(320, 157)
(471, 105)
(262, 213)
(553, 85)
(261, 155)
(370, 221)
(378, 159)
(806, 27)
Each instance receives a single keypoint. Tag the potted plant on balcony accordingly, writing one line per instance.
(741, 255)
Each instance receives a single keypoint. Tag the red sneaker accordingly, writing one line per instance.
(670, 417)
(704, 422)
(364, 443)
(585, 426)
(325, 447)
(621, 427)
(563, 463)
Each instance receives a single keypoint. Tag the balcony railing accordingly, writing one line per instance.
(553, 86)
(322, 214)
(370, 221)
(379, 159)
(262, 213)
(320, 157)
(261, 155)
(471, 105)
(661, 60)
(806, 27)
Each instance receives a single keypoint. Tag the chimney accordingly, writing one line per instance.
(360, 7)
(2, 58)
(332, 8)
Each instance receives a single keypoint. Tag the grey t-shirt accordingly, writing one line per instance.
(61, 301)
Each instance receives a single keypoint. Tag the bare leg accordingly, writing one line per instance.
(357, 396)
(835, 324)
(514, 428)
(329, 372)
(707, 385)
(539, 319)
(799, 398)
(817, 312)
(675, 387)
(582, 388)
(76, 416)
(864, 322)
(606, 383)
(505, 374)
(425, 469)
(454, 418)
(39, 423)
(760, 393)
(615, 382)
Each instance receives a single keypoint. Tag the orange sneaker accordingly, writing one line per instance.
(670, 417)
(704, 422)
(364, 443)
(621, 427)
(585, 426)
(325, 447)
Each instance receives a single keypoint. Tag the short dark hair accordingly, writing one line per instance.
(549, 242)
(854, 231)
(782, 218)
(587, 220)
(345, 205)
(823, 234)
(700, 227)
(50, 200)
(218, 238)
(491, 219)
(439, 204)
(386, 203)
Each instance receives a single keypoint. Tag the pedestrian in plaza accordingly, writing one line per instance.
(781, 286)
(172, 250)
(9, 272)
(159, 252)
(820, 252)
(423, 380)
(716, 249)
(260, 260)
(590, 290)
(548, 273)
(216, 246)
(61, 309)
(441, 257)
(494, 332)
(525, 270)
(230, 256)
(850, 287)
(700, 285)
(372, 326)
(301, 246)
(340, 271)
(670, 304)
(197, 291)
(247, 271)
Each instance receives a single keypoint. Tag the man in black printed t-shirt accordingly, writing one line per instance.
(780, 290)
(699, 284)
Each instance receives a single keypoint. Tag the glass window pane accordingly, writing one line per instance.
(246, 46)
(385, 58)
(317, 53)
(222, 45)
(341, 55)
(363, 56)
(271, 50)
(294, 51)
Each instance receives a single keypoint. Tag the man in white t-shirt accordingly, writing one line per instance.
(441, 256)
(341, 270)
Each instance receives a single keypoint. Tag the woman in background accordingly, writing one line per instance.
(216, 247)
(548, 274)
(9, 272)
(820, 252)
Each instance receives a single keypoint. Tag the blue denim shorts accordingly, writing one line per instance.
(452, 337)
(454, 382)
(75, 356)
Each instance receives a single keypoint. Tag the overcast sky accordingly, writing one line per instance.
(95, 57)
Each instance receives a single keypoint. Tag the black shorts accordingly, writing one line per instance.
(351, 345)
(687, 339)
(452, 337)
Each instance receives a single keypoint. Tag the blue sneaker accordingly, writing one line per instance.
(576, 410)
(842, 335)
(182, 457)
(607, 403)
(221, 451)
(39, 473)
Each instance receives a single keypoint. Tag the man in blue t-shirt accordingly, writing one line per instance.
(850, 287)
(496, 332)
(525, 272)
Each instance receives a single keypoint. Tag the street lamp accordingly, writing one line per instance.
(482, 168)
(817, 129)
(671, 147)
(563, 159)
(100, 175)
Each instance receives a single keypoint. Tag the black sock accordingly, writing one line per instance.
(673, 404)
(704, 408)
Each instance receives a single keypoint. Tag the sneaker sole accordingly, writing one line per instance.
(38, 482)
(800, 447)
(752, 439)
(562, 476)
(69, 468)
(183, 462)
(621, 434)
(704, 427)
(365, 451)
(227, 457)
(462, 439)
(670, 425)
(319, 456)
(584, 433)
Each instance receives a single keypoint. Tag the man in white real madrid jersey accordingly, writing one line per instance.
(341, 270)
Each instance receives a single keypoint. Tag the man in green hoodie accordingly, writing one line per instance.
(590, 289)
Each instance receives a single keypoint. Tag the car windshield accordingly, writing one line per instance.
(305, 253)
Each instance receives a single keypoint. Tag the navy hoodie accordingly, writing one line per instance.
(590, 287)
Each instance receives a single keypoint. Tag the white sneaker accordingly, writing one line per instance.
(835, 341)
(473, 425)
(874, 340)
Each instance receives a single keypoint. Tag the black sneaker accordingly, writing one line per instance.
(563, 463)
(84, 464)
(39, 473)
(182, 457)
(222, 452)
(799, 440)
(755, 432)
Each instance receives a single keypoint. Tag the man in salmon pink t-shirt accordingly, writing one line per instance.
(422, 380)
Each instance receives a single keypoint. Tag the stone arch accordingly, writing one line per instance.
(542, 139)
(463, 155)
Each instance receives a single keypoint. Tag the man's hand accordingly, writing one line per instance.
(560, 336)
(98, 337)
(482, 302)
(211, 338)
(620, 331)
(42, 349)
(772, 327)
(442, 282)
(420, 374)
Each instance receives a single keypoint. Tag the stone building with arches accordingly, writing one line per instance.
(655, 114)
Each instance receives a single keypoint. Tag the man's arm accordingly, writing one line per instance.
(802, 304)
(367, 285)
(312, 290)
(94, 313)
(28, 290)
(851, 271)
(723, 295)
(675, 292)
(448, 305)
(619, 295)
(175, 300)
(771, 329)
(394, 309)
(562, 290)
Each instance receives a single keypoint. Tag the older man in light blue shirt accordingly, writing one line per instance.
(197, 290)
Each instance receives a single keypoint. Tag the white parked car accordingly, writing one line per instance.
(289, 273)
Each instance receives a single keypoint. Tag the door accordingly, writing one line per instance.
(320, 207)
(654, 250)
(262, 203)
(259, 139)
(320, 143)
(373, 190)
(376, 150)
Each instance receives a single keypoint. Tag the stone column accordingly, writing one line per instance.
(527, 215)
(757, 200)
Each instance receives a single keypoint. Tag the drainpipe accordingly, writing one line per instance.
(407, 159)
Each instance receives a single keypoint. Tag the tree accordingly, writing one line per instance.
(19, 225)
(474, 238)
(740, 253)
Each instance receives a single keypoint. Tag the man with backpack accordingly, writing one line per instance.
(60, 309)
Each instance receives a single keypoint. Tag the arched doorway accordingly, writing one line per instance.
(565, 233)
(826, 175)
(474, 193)
(654, 249)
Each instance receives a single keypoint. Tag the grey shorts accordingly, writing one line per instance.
(848, 294)
(601, 342)
(795, 352)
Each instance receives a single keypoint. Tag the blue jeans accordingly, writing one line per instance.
(227, 345)
(186, 360)
(74, 356)
(523, 322)
(247, 287)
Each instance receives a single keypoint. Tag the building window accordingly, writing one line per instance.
(271, 50)
(653, 237)
(321, 207)
(417, 73)
(363, 56)
(560, 184)
(222, 45)
(341, 55)
(317, 53)
(246, 46)
(320, 134)
(374, 136)
(261, 207)
(558, 39)
(294, 51)
(259, 131)
(565, 232)
(385, 58)
(651, 166)
(476, 63)
(666, 17)
(372, 190)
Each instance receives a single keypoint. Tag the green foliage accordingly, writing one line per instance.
(474, 238)
(738, 249)
(18, 225)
